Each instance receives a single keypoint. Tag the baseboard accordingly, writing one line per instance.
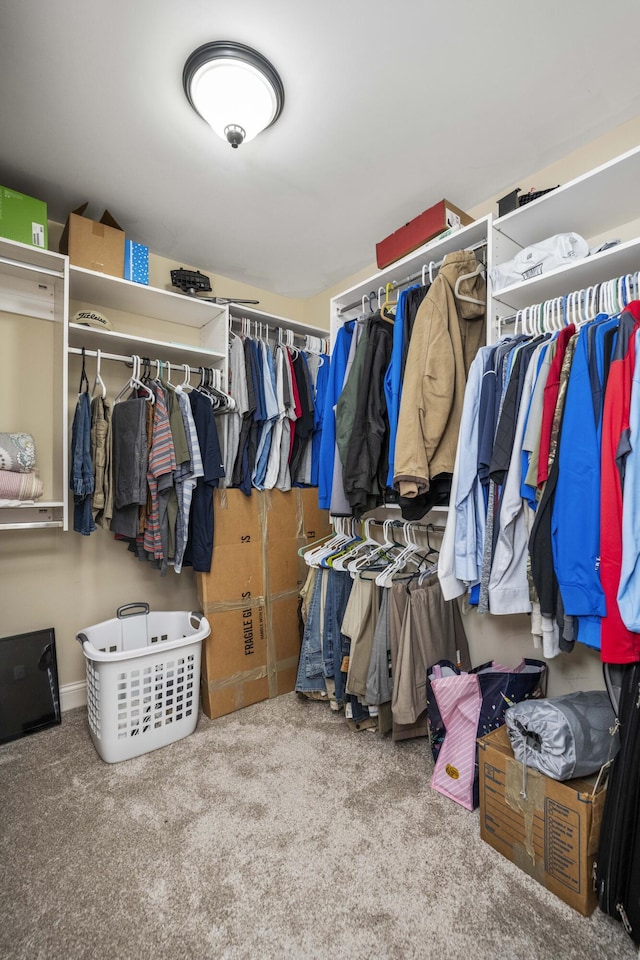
(73, 695)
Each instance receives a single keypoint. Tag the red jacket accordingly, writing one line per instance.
(618, 645)
(551, 390)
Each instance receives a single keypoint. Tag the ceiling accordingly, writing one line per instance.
(388, 108)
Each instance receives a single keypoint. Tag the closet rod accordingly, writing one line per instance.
(434, 528)
(273, 330)
(124, 359)
(414, 276)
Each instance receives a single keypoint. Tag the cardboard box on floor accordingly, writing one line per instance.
(95, 245)
(553, 834)
(250, 596)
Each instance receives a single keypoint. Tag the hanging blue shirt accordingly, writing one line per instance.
(335, 383)
(322, 381)
(393, 378)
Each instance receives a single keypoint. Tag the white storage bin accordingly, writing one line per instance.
(143, 679)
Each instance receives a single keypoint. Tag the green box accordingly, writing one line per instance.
(23, 218)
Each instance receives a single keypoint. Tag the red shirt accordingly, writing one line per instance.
(551, 391)
(618, 645)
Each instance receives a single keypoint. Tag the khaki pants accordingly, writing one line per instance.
(431, 630)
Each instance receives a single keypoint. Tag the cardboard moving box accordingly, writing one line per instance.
(250, 596)
(23, 218)
(553, 834)
(95, 245)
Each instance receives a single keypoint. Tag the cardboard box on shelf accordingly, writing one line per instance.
(552, 834)
(136, 262)
(94, 245)
(23, 218)
(442, 216)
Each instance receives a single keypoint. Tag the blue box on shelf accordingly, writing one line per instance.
(136, 262)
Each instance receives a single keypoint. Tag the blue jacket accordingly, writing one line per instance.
(335, 383)
(393, 379)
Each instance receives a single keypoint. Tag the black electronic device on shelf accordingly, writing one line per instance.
(190, 281)
(194, 283)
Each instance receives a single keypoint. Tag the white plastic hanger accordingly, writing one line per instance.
(385, 551)
(469, 276)
(313, 556)
(99, 382)
(364, 543)
(135, 383)
(385, 577)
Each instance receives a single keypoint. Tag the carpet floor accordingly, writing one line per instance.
(275, 832)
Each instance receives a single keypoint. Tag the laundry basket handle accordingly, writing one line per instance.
(139, 608)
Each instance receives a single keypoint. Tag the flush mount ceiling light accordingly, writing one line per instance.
(234, 88)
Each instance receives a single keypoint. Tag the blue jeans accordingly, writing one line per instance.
(339, 585)
(310, 675)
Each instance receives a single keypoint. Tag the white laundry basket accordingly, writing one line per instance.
(143, 679)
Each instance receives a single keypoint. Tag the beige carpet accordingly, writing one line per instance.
(272, 833)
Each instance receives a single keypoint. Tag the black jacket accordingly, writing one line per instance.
(367, 460)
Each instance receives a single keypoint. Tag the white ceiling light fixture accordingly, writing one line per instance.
(234, 88)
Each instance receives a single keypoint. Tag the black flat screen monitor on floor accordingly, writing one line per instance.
(29, 695)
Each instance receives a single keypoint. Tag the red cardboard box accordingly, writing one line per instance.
(438, 218)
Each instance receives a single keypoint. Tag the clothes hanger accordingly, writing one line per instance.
(407, 555)
(362, 542)
(385, 310)
(353, 537)
(346, 538)
(99, 382)
(428, 267)
(227, 402)
(413, 553)
(468, 276)
(202, 387)
(135, 383)
(141, 383)
(316, 543)
(186, 383)
(366, 548)
(291, 345)
(313, 557)
(84, 379)
(232, 334)
(384, 554)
